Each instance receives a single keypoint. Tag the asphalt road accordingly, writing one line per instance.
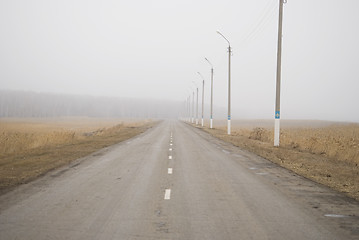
(188, 186)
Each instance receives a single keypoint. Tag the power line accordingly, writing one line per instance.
(265, 17)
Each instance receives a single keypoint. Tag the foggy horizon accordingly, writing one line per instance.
(31, 104)
(152, 50)
(43, 105)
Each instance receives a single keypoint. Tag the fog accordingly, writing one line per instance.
(24, 104)
(151, 51)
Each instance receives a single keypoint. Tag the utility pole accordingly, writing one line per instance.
(229, 84)
(229, 90)
(197, 109)
(211, 115)
(202, 122)
(189, 108)
(193, 108)
(279, 72)
(202, 102)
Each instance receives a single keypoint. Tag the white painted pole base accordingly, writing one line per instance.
(196, 121)
(211, 123)
(202, 122)
(229, 127)
(276, 132)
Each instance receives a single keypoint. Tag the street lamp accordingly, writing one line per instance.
(189, 108)
(193, 108)
(197, 103)
(229, 83)
(211, 117)
(202, 97)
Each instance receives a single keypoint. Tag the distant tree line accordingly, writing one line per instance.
(46, 105)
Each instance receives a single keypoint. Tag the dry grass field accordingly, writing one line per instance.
(325, 152)
(32, 147)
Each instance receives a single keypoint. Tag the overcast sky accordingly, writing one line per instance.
(154, 49)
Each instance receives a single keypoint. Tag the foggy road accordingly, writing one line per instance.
(175, 182)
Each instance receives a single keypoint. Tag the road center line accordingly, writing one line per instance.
(168, 194)
(261, 173)
(170, 170)
(335, 215)
(169, 157)
(170, 149)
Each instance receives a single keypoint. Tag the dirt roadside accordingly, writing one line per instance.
(25, 166)
(339, 175)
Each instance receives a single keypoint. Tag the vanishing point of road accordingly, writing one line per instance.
(175, 182)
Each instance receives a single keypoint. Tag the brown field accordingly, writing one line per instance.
(32, 147)
(326, 152)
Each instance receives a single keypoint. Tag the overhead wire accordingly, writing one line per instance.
(265, 17)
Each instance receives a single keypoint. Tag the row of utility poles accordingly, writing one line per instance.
(191, 119)
(278, 83)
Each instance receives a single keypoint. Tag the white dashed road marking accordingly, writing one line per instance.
(261, 173)
(168, 194)
(335, 215)
(170, 170)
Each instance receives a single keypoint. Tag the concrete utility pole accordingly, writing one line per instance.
(202, 102)
(194, 83)
(189, 108)
(279, 72)
(202, 97)
(229, 83)
(211, 114)
(185, 110)
(193, 108)
(197, 109)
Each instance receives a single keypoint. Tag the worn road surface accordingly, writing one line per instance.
(175, 182)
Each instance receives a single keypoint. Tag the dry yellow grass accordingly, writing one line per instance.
(20, 135)
(32, 147)
(340, 142)
(324, 152)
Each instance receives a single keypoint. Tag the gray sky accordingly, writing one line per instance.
(154, 48)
